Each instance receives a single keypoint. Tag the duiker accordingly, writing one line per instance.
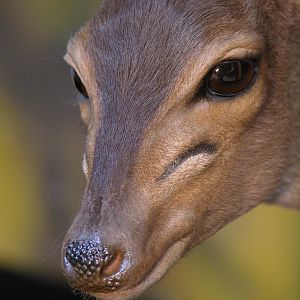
(192, 110)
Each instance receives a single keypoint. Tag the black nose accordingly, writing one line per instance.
(92, 267)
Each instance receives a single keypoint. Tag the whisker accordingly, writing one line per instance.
(57, 244)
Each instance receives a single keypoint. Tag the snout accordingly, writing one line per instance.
(110, 273)
(94, 268)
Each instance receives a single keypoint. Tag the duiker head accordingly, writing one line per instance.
(191, 122)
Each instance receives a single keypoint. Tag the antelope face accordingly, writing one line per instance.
(182, 101)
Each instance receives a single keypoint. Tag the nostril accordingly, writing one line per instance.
(114, 264)
(94, 265)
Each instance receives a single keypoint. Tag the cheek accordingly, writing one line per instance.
(203, 184)
(186, 208)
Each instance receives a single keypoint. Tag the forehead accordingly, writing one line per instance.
(164, 28)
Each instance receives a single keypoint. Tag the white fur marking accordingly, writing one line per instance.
(85, 168)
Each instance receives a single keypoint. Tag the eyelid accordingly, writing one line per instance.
(254, 58)
(68, 59)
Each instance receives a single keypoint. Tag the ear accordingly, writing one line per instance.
(288, 194)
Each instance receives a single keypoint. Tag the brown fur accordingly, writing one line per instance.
(141, 62)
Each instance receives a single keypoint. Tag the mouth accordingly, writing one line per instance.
(173, 254)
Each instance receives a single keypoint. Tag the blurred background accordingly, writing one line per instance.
(256, 257)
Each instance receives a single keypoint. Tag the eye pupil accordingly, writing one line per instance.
(79, 85)
(230, 78)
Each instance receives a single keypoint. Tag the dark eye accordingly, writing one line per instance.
(79, 85)
(230, 78)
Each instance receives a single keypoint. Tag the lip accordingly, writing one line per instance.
(173, 253)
